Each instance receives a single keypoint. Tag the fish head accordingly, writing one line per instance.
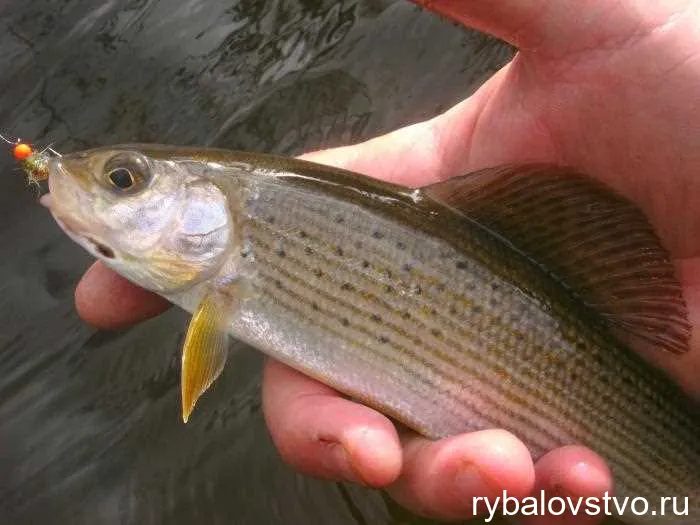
(161, 224)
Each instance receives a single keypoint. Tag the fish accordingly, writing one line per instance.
(513, 297)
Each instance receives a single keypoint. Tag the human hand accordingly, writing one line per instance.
(609, 88)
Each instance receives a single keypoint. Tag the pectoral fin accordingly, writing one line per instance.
(205, 350)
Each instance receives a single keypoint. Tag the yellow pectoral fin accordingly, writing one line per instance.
(205, 350)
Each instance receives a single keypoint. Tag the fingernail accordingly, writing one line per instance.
(583, 478)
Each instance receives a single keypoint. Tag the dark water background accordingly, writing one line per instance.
(89, 421)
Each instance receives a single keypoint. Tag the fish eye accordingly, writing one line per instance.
(121, 178)
(128, 171)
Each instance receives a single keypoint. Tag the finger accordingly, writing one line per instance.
(107, 300)
(569, 476)
(386, 157)
(553, 28)
(449, 479)
(444, 152)
(322, 434)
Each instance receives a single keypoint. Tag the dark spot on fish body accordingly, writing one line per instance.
(436, 333)
(344, 321)
(502, 374)
(365, 264)
(366, 295)
(453, 310)
(314, 306)
(280, 252)
(270, 219)
(400, 246)
(515, 397)
(462, 265)
(406, 315)
(477, 309)
(551, 357)
(308, 250)
(377, 234)
(318, 272)
(376, 318)
(383, 339)
(497, 351)
(303, 234)
(339, 251)
(347, 287)
(278, 283)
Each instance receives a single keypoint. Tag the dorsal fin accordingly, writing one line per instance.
(597, 243)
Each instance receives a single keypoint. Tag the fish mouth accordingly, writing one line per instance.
(71, 226)
(105, 251)
(95, 247)
(74, 230)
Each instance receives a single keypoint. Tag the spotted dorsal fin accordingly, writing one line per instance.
(597, 243)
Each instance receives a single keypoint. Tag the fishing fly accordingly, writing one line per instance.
(34, 164)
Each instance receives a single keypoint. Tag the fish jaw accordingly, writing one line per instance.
(67, 194)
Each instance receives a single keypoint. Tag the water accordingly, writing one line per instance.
(90, 430)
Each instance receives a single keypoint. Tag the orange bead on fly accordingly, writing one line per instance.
(35, 164)
(22, 151)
